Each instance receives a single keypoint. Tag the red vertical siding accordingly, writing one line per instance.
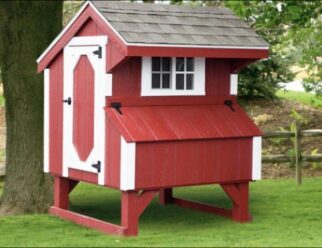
(127, 78)
(217, 77)
(90, 28)
(83, 108)
(167, 164)
(112, 155)
(56, 115)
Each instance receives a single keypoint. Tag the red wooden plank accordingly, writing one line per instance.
(203, 207)
(83, 108)
(217, 77)
(89, 222)
(112, 151)
(180, 163)
(84, 176)
(197, 52)
(56, 115)
(166, 100)
(127, 79)
(90, 28)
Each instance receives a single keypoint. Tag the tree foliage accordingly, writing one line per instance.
(293, 30)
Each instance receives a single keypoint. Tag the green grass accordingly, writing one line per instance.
(283, 215)
(301, 97)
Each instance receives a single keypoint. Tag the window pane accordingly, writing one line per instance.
(156, 81)
(156, 61)
(180, 81)
(166, 64)
(190, 64)
(166, 81)
(189, 81)
(180, 64)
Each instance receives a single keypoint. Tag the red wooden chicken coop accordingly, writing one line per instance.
(142, 98)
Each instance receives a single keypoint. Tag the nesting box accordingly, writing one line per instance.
(142, 98)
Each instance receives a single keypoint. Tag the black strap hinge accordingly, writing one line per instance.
(117, 106)
(98, 52)
(229, 104)
(97, 166)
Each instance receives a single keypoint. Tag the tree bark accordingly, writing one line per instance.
(26, 29)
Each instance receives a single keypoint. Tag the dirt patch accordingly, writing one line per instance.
(278, 115)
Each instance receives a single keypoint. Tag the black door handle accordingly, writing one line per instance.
(68, 101)
(97, 166)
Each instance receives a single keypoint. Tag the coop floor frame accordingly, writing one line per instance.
(135, 202)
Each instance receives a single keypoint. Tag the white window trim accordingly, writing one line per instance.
(234, 84)
(199, 80)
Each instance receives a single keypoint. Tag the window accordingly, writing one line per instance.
(161, 73)
(164, 76)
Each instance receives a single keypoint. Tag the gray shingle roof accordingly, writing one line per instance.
(178, 25)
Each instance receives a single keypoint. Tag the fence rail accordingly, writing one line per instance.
(298, 158)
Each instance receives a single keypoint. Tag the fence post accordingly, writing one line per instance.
(298, 156)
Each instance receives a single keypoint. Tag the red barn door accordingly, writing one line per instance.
(85, 86)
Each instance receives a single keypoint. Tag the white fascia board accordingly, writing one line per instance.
(46, 119)
(127, 163)
(234, 84)
(257, 158)
(197, 46)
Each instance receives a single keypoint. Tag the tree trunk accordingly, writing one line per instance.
(26, 28)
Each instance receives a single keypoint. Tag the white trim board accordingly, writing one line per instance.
(234, 84)
(257, 158)
(199, 79)
(77, 47)
(46, 119)
(127, 163)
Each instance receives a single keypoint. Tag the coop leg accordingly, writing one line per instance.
(166, 196)
(133, 205)
(238, 193)
(61, 192)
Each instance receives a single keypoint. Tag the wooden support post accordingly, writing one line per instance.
(166, 196)
(238, 193)
(61, 192)
(133, 205)
(298, 157)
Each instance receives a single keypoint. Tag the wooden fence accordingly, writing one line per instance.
(298, 158)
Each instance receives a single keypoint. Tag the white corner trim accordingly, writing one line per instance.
(234, 84)
(127, 164)
(62, 32)
(46, 120)
(199, 80)
(257, 158)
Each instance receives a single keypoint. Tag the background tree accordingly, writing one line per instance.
(26, 28)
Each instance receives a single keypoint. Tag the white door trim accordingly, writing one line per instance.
(102, 87)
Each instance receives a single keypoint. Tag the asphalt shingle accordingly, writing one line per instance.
(178, 25)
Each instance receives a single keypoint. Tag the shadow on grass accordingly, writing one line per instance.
(105, 204)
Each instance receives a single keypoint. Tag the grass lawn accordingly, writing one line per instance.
(301, 97)
(283, 215)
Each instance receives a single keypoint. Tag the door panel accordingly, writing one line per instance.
(86, 85)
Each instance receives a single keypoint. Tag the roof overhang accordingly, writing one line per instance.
(126, 50)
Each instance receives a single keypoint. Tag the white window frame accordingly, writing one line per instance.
(198, 83)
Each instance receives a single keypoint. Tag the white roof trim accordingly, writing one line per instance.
(107, 22)
(196, 46)
(62, 32)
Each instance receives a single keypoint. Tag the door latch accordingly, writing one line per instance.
(97, 166)
(98, 52)
(68, 101)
